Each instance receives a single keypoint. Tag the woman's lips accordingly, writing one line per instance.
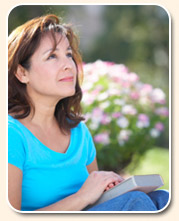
(67, 79)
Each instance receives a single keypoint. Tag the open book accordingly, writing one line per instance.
(144, 183)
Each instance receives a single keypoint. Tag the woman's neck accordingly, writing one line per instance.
(43, 115)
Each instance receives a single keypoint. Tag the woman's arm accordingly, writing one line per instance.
(94, 186)
(93, 166)
(73, 202)
(89, 193)
(91, 190)
(14, 186)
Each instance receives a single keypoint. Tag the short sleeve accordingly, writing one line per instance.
(91, 149)
(16, 152)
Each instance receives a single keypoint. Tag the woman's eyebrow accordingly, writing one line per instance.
(51, 49)
(68, 49)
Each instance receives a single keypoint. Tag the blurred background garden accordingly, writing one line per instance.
(125, 49)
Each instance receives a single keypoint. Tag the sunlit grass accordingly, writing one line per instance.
(155, 161)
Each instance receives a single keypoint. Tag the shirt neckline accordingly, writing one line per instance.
(49, 149)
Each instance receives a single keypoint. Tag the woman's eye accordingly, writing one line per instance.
(52, 56)
(70, 55)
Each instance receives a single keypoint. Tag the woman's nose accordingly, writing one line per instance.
(67, 64)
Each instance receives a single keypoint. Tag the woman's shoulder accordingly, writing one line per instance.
(12, 122)
(81, 125)
(14, 127)
(82, 128)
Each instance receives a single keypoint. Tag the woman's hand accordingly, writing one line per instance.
(97, 183)
(111, 185)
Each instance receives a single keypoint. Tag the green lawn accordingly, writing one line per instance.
(155, 161)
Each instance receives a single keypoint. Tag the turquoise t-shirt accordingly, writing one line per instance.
(49, 176)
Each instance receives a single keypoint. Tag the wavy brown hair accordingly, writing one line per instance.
(22, 43)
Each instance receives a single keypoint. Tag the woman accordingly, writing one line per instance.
(51, 155)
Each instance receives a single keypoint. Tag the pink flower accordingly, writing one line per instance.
(87, 99)
(102, 138)
(118, 73)
(109, 63)
(143, 117)
(97, 112)
(126, 84)
(158, 96)
(143, 121)
(96, 91)
(162, 111)
(123, 122)
(146, 89)
(133, 77)
(129, 109)
(96, 115)
(116, 114)
(114, 91)
(159, 126)
(123, 136)
(105, 119)
(134, 95)
(123, 68)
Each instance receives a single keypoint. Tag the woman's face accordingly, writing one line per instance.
(52, 75)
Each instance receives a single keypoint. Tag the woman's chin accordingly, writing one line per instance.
(69, 94)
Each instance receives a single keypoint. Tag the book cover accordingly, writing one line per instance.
(144, 183)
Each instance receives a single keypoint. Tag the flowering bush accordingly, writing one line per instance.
(124, 115)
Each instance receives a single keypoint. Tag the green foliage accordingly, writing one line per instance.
(137, 36)
(23, 13)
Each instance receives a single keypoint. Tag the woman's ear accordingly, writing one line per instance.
(22, 74)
